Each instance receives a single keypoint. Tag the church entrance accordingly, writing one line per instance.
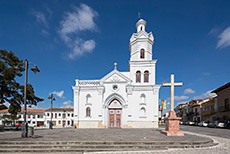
(115, 118)
(115, 110)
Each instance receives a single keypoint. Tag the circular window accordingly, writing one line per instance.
(115, 87)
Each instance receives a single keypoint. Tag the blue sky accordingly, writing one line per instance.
(69, 39)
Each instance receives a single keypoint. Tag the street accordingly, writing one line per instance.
(218, 132)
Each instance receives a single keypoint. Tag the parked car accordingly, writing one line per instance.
(191, 123)
(216, 124)
(18, 125)
(203, 124)
(181, 123)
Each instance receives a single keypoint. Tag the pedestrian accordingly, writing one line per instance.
(50, 125)
(228, 123)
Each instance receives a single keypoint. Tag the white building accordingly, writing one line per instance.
(34, 117)
(61, 117)
(122, 99)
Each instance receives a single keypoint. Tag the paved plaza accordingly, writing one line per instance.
(70, 134)
(223, 147)
(126, 135)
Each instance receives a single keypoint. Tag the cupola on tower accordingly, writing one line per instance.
(141, 65)
(140, 43)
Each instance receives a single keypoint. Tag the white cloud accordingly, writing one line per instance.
(31, 106)
(224, 39)
(189, 91)
(45, 32)
(181, 102)
(80, 47)
(215, 31)
(34, 107)
(206, 73)
(81, 19)
(205, 95)
(40, 17)
(67, 104)
(178, 98)
(59, 94)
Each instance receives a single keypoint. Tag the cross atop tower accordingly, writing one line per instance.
(139, 15)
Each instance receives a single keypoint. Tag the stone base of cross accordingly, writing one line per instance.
(172, 126)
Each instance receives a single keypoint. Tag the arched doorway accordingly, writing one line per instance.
(115, 110)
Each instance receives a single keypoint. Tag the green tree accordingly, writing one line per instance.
(10, 90)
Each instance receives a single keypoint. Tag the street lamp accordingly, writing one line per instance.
(52, 99)
(35, 70)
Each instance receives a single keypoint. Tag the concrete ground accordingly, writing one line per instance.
(70, 134)
(223, 147)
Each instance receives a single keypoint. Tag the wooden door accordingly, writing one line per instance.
(63, 123)
(115, 118)
(40, 123)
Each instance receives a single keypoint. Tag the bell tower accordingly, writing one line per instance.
(141, 65)
(140, 43)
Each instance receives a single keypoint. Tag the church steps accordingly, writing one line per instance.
(47, 147)
(106, 142)
(101, 146)
(36, 150)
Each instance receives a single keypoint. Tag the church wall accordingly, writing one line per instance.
(109, 90)
(149, 66)
(136, 102)
(88, 124)
(142, 124)
(121, 91)
(75, 104)
(95, 106)
(136, 48)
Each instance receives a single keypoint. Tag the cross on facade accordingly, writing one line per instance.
(172, 84)
(115, 66)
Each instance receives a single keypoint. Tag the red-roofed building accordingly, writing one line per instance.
(61, 117)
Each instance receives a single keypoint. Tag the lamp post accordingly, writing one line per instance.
(52, 99)
(35, 70)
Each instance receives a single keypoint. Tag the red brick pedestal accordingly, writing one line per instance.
(172, 127)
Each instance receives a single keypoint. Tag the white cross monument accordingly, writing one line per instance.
(172, 84)
(172, 127)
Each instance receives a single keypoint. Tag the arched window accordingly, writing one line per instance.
(142, 98)
(88, 112)
(88, 98)
(143, 112)
(146, 76)
(138, 76)
(142, 53)
(141, 28)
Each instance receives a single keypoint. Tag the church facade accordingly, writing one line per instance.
(122, 99)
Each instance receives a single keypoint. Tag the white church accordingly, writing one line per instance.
(122, 99)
